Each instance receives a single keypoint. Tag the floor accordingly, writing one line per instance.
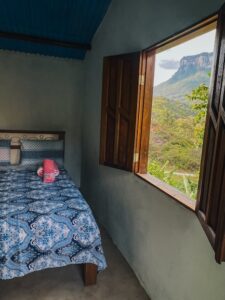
(117, 282)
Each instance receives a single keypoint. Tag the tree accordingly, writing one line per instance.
(199, 99)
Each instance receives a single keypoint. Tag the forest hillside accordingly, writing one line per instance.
(178, 123)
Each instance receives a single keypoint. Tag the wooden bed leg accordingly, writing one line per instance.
(90, 274)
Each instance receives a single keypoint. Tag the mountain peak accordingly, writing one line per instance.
(193, 70)
(192, 64)
(202, 60)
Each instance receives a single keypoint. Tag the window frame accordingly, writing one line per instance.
(146, 91)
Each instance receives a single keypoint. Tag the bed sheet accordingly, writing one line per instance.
(44, 225)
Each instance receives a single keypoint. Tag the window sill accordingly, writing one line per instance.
(168, 190)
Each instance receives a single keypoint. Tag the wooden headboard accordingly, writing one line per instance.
(16, 135)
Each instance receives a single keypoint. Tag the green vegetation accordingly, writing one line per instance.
(177, 89)
(177, 129)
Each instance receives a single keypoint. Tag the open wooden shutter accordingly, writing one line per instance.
(144, 112)
(211, 204)
(119, 110)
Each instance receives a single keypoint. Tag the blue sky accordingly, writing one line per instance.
(167, 62)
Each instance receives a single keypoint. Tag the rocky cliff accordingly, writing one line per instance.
(193, 70)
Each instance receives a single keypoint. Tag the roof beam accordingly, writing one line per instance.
(43, 40)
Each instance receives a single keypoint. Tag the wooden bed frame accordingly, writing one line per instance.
(89, 270)
(89, 274)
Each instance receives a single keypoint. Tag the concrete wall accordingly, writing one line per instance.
(163, 242)
(43, 93)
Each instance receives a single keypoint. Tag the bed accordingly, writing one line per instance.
(45, 225)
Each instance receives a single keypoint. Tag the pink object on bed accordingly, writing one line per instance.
(40, 171)
(49, 171)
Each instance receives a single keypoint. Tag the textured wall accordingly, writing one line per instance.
(43, 93)
(163, 242)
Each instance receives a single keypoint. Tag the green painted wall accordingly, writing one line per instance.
(43, 93)
(162, 241)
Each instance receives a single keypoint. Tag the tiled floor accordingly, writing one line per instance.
(117, 282)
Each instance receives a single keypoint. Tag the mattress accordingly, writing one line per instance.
(44, 225)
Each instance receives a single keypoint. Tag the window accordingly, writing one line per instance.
(133, 139)
(179, 106)
(175, 125)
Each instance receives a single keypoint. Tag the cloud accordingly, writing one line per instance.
(169, 64)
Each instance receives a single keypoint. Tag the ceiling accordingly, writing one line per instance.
(62, 28)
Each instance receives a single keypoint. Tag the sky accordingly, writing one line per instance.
(167, 62)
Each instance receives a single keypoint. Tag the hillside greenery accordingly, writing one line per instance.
(177, 130)
(179, 88)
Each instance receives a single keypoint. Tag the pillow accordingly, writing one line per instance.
(33, 152)
(5, 152)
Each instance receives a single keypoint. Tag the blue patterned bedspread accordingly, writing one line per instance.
(44, 225)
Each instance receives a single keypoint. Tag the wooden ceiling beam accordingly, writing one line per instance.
(43, 40)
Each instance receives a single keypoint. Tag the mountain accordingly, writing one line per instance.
(193, 71)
